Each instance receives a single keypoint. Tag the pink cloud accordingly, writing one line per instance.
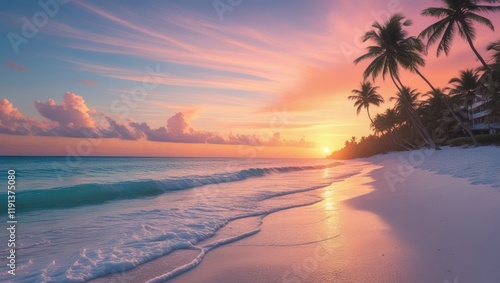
(13, 122)
(9, 112)
(88, 82)
(178, 125)
(15, 66)
(73, 118)
(73, 113)
(119, 130)
(179, 129)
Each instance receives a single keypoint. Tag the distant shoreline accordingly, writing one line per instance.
(351, 151)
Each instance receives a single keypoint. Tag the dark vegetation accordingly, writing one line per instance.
(435, 116)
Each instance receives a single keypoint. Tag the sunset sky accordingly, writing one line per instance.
(196, 77)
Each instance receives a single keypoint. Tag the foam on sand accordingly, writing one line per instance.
(432, 228)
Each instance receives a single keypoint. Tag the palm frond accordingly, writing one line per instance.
(486, 9)
(446, 40)
(436, 12)
(466, 29)
(481, 20)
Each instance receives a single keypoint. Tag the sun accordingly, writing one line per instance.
(326, 150)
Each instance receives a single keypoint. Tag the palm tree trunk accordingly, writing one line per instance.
(471, 44)
(415, 119)
(370, 117)
(404, 141)
(419, 127)
(425, 134)
(465, 126)
(401, 142)
(399, 81)
(399, 87)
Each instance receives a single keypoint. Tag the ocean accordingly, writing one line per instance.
(90, 217)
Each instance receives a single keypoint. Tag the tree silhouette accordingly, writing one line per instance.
(457, 15)
(365, 96)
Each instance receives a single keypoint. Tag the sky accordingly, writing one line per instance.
(232, 78)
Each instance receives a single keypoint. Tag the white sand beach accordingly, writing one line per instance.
(423, 227)
(433, 228)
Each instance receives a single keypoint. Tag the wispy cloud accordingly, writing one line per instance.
(12, 65)
(190, 79)
(318, 85)
(88, 82)
(205, 53)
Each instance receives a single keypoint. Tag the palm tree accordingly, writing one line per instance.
(465, 86)
(495, 46)
(495, 58)
(393, 48)
(388, 123)
(365, 96)
(491, 81)
(440, 95)
(379, 124)
(438, 117)
(407, 102)
(457, 15)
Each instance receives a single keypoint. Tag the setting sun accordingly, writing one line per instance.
(326, 150)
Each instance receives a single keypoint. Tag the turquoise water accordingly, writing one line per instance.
(86, 218)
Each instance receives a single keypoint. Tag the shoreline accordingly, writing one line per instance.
(442, 147)
(290, 245)
(183, 261)
(435, 228)
(431, 227)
